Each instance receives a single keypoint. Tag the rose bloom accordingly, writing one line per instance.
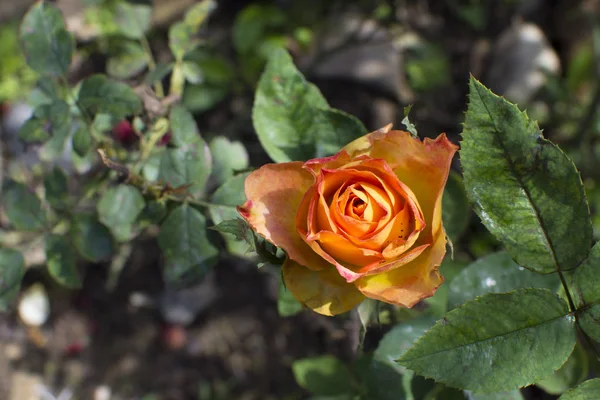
(364, 222)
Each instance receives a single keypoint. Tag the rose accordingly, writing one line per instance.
(364, 222)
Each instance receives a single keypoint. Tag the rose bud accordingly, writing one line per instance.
(365, 222)
(124, 133)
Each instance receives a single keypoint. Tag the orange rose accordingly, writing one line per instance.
(364, 222)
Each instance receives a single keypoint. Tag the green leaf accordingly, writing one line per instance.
(406, 122)
(292, 118)
(22, 207)
(573, 372)
(182, 239)
(323, 375)
(495, 273)
(399, 339)
(56, 188)
(133, 20)
(82, 141)
(33, 130)
(61, 260)
(127, 60)
(383, 382)
(12, 270)
(287, 305)
(192, 72)
(119, 207)
(158, 73)
(98, 94)
(183, 127)
(229, 195)
(91, 239)
(456, 209)
(587, 285)
(181, 34)
(525, 189)
(512, 395)
(50, 123)
(47, 45)
(200, 98)
(588, 390)
(189, 164)
(228, 157)
(497, 342)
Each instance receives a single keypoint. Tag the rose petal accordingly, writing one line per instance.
(325, 291)
(343, 250)
(274, 194)
(407, 285)
(422, 166)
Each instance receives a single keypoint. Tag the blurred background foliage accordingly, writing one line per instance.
(122, 332)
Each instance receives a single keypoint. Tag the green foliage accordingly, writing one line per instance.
(188, 252)
(456, 207)
(127, 60)
(494, 273)
(525, 190)
(92, 240)
(56, 188)
(61, 260)
(119, 207)
(133, 20)
(323, 376)
(12, 270)
(47, 45)
(573, 372)
(496, 342)
(292, 118)
(588, 390)
(228, 158)
(587, 285)
(22, 207)
(98, 94)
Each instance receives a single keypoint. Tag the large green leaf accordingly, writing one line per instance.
(226, 198)
(47, 45)
(189, 254)
(12, 270)
(22, 207)
(132, 19)
(573, 372)
(292, 118)
(527, 192)
(398, 340)
(183, 127)
(495, 273)
(62, 261)
(91, 239)
(587, 284)
(323, 375)
(99, 95)
(497, 342)
(189, 164)
(56, 188)
(127, 59)
(120, 205)
(512, 395)
(456, 209)
(228, 158)
(588, 390)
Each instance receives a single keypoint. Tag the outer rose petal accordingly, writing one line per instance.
(422, 165)
(325, 291)
(407, 285)
(274, 193)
